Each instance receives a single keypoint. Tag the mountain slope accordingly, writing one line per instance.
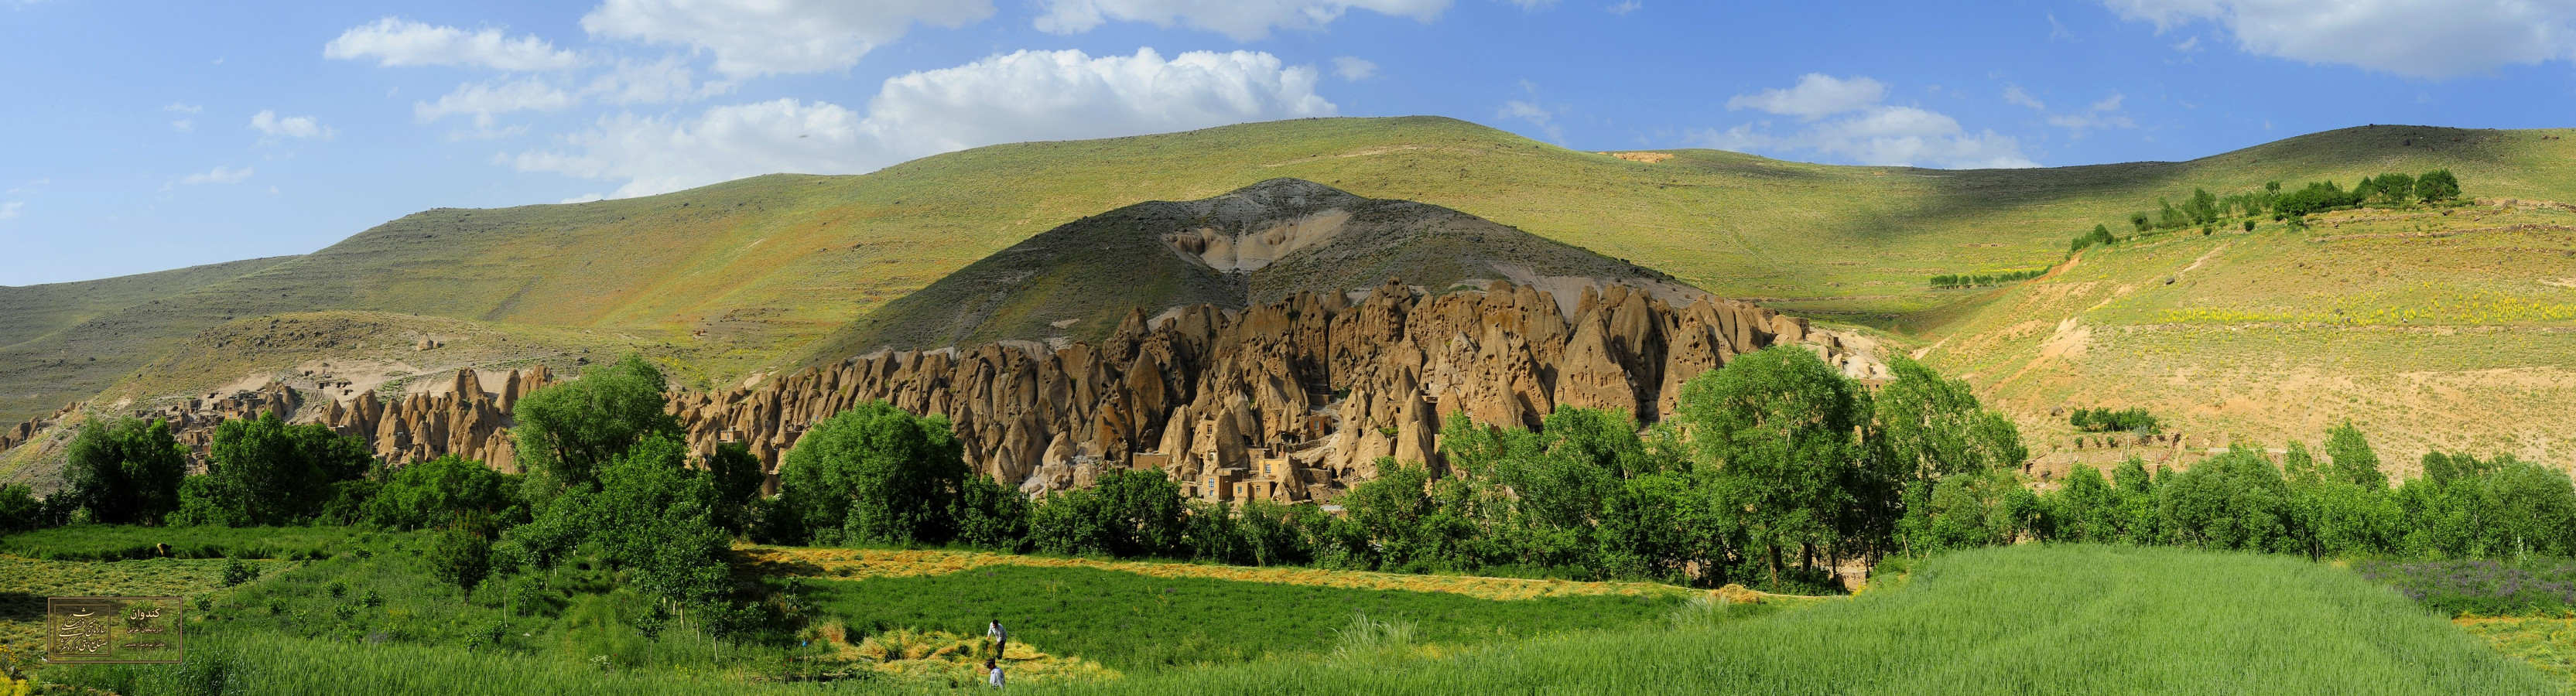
(49, 355)
(1253, 245)
(766, 266)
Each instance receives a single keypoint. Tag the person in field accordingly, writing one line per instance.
(993, 673)
(1000, 637)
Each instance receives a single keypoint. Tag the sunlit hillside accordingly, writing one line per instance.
(731, 279)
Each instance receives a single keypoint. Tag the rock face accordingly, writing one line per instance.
(1290, 400)
(461, 416)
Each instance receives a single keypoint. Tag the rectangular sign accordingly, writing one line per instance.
(97, 630)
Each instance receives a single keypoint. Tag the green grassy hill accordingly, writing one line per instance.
(766, 266)
(45, 362)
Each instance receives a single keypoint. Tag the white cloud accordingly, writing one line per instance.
(292, 126)
(184, 125)
(1816, 96)
(10, 209)
(777, 36)
(2415, 38)
(1622, 9)
(483, 99)
(1872, 133)
(2014, 96)
(218, 175)
(178, 108)
(1536, 115)
(663, 81)
(1241, 20)
(1028, 95)
(1354, 69)
(394, 42)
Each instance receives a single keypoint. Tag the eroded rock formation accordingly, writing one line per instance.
(1291, 400)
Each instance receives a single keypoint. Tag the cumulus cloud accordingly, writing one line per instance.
(10, 209)
(777, 36)
(1241, 20)
(483, 99)
(656, 82)
(268, 122)
(2415, 38)
(2102, 114)
(218, 175)
(1864, 130)
(1816, 96)
(1354, 69)
(1536, 115)
(394, 42)
(1022, 96)
(2014, 96)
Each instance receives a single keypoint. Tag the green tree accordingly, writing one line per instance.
(440, 492)
(876, 474)
(19, 509)
(2203, 207)
(990, 516)
(125, 471)
(2087, 508)
(462, 558)
(2437, 186)
(2395, 187)
(1929, 427)
(738, 478)
(1776, 431)
(2235, 500)
(265, 472)
(2353, 459)
(567, 431)
(1126, 514)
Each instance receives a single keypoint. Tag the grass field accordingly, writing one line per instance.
(1135, 622)
(2014, 620)
(2027, 619)
(102, 542)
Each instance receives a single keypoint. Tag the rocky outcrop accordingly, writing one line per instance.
(460, 416)
(1292, 400)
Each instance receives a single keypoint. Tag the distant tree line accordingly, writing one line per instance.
(1971, 280)
(2103, 420)
(2341, 506)
(2208, 211)
(1774, 470)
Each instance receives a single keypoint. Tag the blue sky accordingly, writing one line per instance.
(147, 136)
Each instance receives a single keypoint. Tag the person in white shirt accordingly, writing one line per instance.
(1000, 637)
(993, 673)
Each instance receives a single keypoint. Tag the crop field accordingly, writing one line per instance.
(365, 616)
(1134, 622)
(862, 564)
(102, 542)
(2012, 620)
